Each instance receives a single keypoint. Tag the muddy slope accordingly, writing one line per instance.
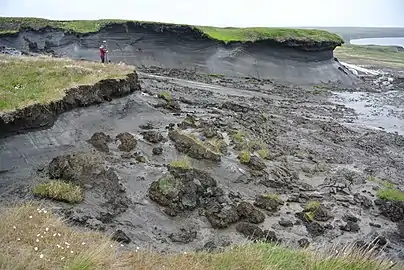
(183, 47)
(40, 116)
(311, 155)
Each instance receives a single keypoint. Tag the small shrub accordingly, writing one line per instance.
(166, 96)
(391, 194)
(181, 163)
(217, 145)
(244, 157)
(165, 185)
(272, 196)
(60, 191)
(238, 137)
(263, 153)
(312, 206)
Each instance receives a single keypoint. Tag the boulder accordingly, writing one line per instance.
(128, 142)
(249, 213)
(100, 141)
(152, 136)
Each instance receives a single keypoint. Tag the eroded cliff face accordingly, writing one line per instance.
(39, 116)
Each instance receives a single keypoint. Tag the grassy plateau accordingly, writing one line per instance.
(13, 25)
(26, 81)
(31, 237)
(383, 56)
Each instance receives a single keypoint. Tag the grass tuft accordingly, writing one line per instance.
(238, 137)
(244, 157)
(272, 196)
(391, 194)
(25, 81)
(181, 163)
(263, 153)
(165, 96)
(60, 191)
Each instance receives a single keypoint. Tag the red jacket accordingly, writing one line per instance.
(102, 51)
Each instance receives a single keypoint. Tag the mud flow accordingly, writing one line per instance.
(199, 162)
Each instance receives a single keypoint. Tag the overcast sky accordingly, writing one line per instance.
(219, 12)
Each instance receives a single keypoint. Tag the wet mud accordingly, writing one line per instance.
(254, 158)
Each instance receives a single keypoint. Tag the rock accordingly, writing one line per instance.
(184, 235)
(216, 244)
(147, 126)
(249, 213)
(172, 105)
(255, 233)
(364, 201)
(175, 194)
(256, 163)
(303, 243)
(285, 223)
(157, 151)
(204, 178)
(121, 237)
(394, 210)
(315, 228)
(95, 224)
(185, 143)
(152, 136)
(128, 142)
(221, 216)
(375, 225)
(100, 141)
(350, 226)
(141, 159)
(352, 218)
(209, 132)
(250, 231)
(79, 167)
(400, 228)
(268, 202)
(381, 241)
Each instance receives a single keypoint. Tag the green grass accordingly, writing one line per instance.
(244, 157)
(21, 226)
(272, 196)
(9, 24)
(388, 56)
(181, 163)
(25, 81)
(263, 153)
(391, 194)
(239, 136)
(167, 96)
(60, 191)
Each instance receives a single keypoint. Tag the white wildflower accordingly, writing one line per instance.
(38, 235)
(137, 248)
(185, 253)
(41, 236)
(67, 244)
(54, 234)
(111, 245)
(14, 227)
(35, 248)
(62, 258)
(83, 243)
(46, 229)
(30, 216)
(72, 252)
(121, 245)
(59, 234)
(58, 246)
(41, 256)
(18, 239)
(37, 240)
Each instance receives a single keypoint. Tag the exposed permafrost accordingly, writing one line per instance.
(146, 45)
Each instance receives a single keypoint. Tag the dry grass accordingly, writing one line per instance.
(183, 163)
(26, 81)
(244, 157)
(32, 238)
(60, 191)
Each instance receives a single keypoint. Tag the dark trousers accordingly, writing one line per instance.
(102, 58)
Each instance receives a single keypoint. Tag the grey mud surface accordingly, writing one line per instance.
(320, 149)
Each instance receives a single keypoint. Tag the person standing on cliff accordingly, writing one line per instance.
(103, 51)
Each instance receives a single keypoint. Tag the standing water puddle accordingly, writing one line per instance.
(376, 110)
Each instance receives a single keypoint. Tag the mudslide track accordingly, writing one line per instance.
(146, 45)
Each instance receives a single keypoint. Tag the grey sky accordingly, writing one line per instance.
(219, 12)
